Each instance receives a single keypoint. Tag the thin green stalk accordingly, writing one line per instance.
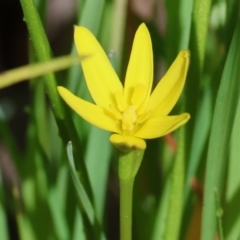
(197, 46)
(128, 166)
(43, 52)
(117, 36)
(201, 12)
(176, 192)
(126, 192)
(17, 75)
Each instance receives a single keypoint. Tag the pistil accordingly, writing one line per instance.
(129, 118)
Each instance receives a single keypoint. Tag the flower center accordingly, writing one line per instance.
(129, 118)
(130, 112)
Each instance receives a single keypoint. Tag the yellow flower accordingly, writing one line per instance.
(131, 112)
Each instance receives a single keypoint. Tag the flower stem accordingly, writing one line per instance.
(126, 188)
(128, 166)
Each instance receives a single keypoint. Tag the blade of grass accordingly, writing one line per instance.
(118, 29)
(98, 154)
(199, 142)
(105, 33)
(78, 230)
(162, 213)
(224, 114)
(16, 75)
(197, 46)
(185, 14)
(201, 12)
(57, 214)
(41, 116)
(178, 24)
(83, 197)
(43, 52)
(200, 136)
(176, 190)
(81, 193)
(232, 217)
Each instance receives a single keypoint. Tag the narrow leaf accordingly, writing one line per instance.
(224, 114)
(81, 193)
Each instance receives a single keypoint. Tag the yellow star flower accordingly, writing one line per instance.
(132, 112)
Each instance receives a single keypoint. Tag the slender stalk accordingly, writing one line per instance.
(118, 29)
(16, 75)
(128, 166)
(126, 188)
(43, 52)
(176, 192)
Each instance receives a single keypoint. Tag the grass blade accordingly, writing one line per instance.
(224, 114)
(81, 193)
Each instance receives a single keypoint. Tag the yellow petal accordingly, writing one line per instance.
(160, 126)
(140, 67)
(102, 81)
(127, 143)
(90, 112)
(168, 90)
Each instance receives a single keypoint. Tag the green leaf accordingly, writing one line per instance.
(98, 155)
(83, 197)
(59, 220)
(232, 217)
(162, 213)
(200, 137)
(81, 193)
(175, 207)
(224, 114)
(16, 75)
(78, 230)
(201, 12)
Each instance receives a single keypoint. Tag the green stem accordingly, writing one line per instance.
(128, 166)
(43, 52)
(201, 12)
(19, 74)
(126, 188)
(118, 29)
(176, 192)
